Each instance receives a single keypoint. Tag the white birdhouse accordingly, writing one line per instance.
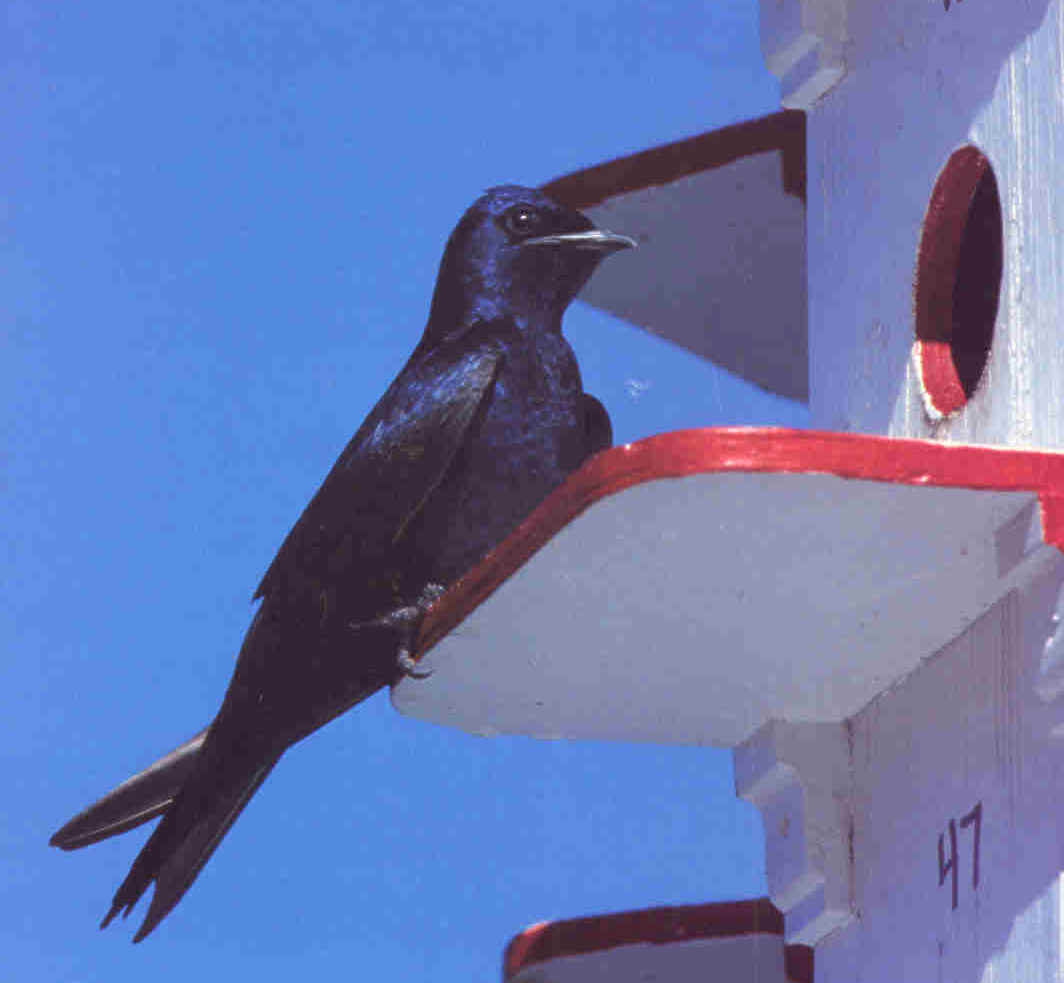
(870, 612)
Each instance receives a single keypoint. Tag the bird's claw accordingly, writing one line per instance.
(406, 619)
(408, 666)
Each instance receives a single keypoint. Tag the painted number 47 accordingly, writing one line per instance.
(950, 865)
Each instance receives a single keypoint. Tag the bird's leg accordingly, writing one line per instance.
(406, 619)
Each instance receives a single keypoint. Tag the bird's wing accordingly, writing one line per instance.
(379, 483)
(598, 430)
(382, 479)
(392, 465)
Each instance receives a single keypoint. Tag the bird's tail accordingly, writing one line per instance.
(138, 799)
(199, 815)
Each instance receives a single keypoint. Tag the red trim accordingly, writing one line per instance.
(938, 376)
(740, 449)
(1053, 518)
(783, 131)
(578, 936)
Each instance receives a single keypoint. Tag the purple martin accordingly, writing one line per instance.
(486, 418)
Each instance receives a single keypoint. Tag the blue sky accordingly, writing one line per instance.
(221, 228)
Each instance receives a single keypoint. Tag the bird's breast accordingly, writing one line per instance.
(530, 437)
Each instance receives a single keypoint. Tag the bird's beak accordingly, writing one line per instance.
(597, 240)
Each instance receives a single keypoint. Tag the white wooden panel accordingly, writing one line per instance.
(747, 959)
(720, 269)
(693, 610)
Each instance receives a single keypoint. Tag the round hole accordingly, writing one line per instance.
(958, 280)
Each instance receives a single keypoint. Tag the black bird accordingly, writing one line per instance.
(487, 417)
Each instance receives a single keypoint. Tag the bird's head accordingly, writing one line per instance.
(517, 253)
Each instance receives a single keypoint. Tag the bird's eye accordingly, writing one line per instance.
(521, 221)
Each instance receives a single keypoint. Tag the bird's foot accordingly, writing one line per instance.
(408, 665)
(407, 619)
(430, 594)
